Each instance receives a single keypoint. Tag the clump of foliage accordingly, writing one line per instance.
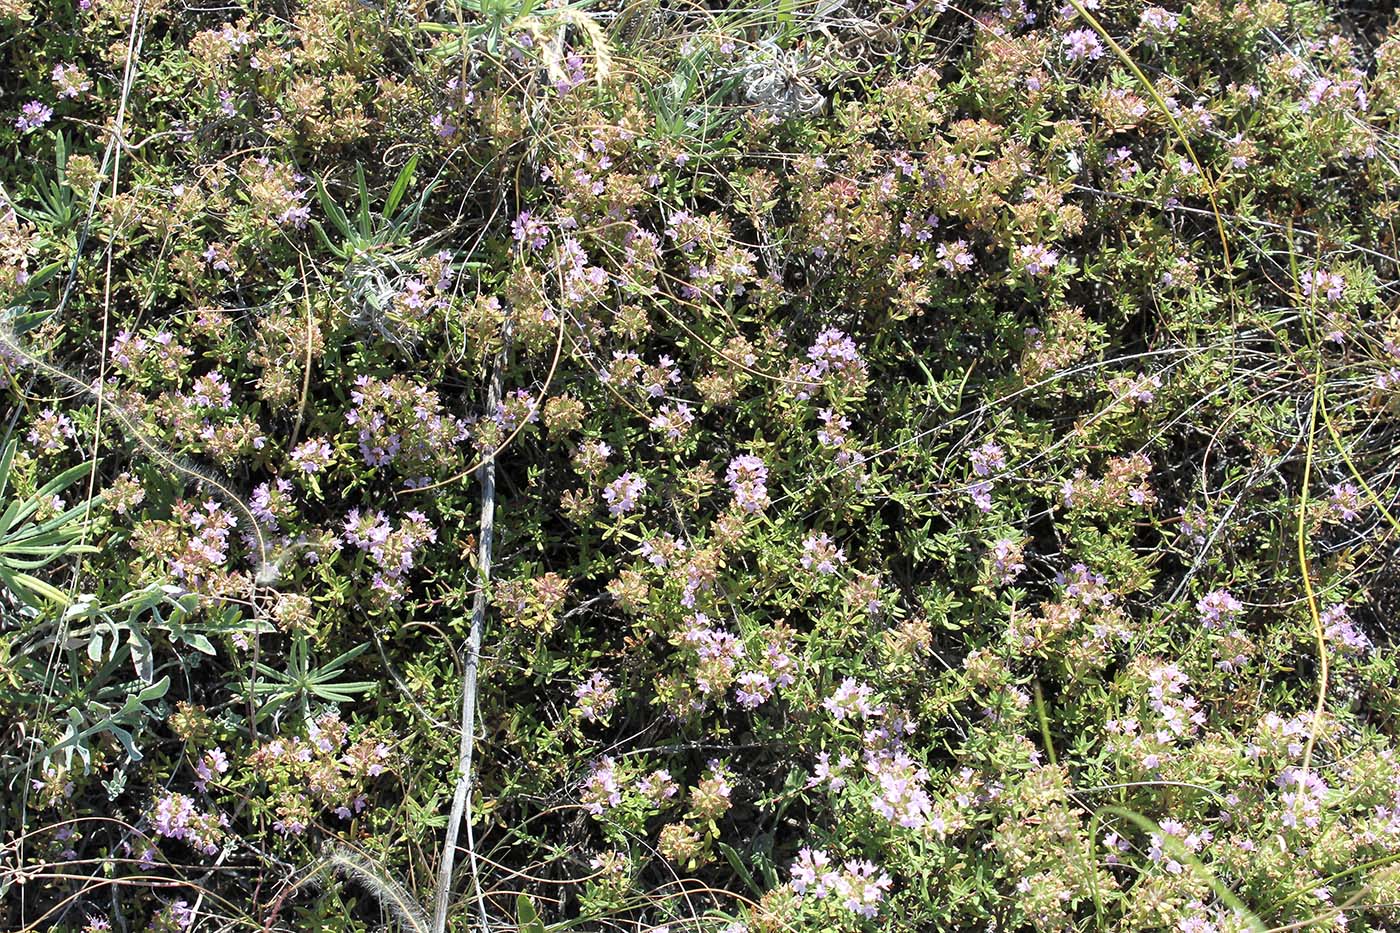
(822, 466)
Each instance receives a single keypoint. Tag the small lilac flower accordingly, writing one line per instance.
(812, 872)
(528, 230)
(753, 689)
(1155, 19)
(834, 352)
(1082, 44)
(988, 458)
(861, 887)
(981, 494)
(182, 914)
(70, 81)
(1345, 502)
(747, 477)
(852, 699)
(1007, 561)
(902, 799)
(658, 787)
(673, 421)
(1339, 628)
(210, 763)
(1037, 260)
(174, 816)
(821, 554)
(1329, 284)
(312, 455)
(827, 773)
(955, 257)
(595, 696)
(32, 116)
(1217, 608)
(623, 494)
(600, 790)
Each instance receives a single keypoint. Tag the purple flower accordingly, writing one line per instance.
(861, 889)
(1156, 19)
(1330, 284)
(32, 116)
(981, 494)
(1346, 501)
(600, 790)
(1082, 44)
(717, 651)
(812, 872)
(1037, 260)
(820, 553)
(624, 493)
(753, 689)
(69, 81)
(1340, 629)
(595, 696)
(833, 354)
(182, 914)
(673, 421)
(827, 773)
(210, 763)
(174, 816)
(529, 230)
(1217, 608)
(1007, 561)
(988, 458)
(852, 699)
(658, 787)
(747, 477)
(312, 456)
(902, 799)
(442, 125)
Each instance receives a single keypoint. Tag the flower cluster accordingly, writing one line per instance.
(624, 494)
(596, 697)
(402, 423)
(392, 549)
(175, 816)
(747, 477)
(327, 768)
(859, 887)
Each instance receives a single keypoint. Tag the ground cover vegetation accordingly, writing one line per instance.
(783, 466)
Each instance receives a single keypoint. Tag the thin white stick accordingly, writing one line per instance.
(460, 805)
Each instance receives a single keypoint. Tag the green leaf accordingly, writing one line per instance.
(400, 188)
(332, 209)
(31, 584)
(736, 862)
(362, 215)
(527, 917)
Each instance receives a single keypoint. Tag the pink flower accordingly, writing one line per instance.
(852, 699)
(821, 554)
(600, 790)
(812, 872)
(753, 689)
(747, 477)
(988, 458)
(1082, 44)
(624, 494)
(596, 696)
(1319, 284)
(312, 456)
(1217, 608)
(32, 116)
(861, 887)
(1037, 260)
